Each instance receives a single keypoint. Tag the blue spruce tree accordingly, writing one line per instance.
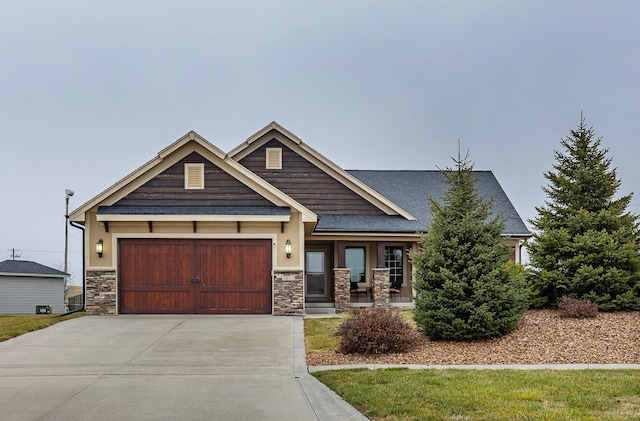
(585, 244)
(465, 289)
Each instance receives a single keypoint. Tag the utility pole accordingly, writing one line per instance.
(67, 194)
(14, 254)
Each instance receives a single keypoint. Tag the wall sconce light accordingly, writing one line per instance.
(287, 248)
(99, 245)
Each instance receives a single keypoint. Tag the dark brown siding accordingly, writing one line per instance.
(195, 276)
(167, 189)
(307, 183)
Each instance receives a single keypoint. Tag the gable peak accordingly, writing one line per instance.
(191, 136)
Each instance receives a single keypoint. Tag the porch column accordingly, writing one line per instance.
(380, 255)
(381, 286)
(342, 292)
(342, 254)
(381, 279)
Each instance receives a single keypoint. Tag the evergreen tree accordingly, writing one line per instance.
(465, 289)
(585, 243)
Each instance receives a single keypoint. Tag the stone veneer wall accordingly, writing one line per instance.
(101, 292)
(288, 293)
(342, 289)
(381, 285)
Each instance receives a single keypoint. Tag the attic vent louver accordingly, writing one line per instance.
(194, 176)
(274, 158)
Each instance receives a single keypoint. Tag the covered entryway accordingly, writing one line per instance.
(318, 264)
(194, 276)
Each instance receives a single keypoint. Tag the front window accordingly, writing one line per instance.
(393, 259)
(355, 260)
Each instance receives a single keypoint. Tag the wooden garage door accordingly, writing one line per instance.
(194, 276)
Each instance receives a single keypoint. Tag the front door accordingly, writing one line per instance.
(317, 266)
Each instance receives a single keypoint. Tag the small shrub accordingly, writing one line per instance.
(376, 331)
(577, 308)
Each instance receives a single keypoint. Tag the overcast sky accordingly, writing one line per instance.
(91, 90)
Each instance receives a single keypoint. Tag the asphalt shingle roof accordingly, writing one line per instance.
(25, 267)
(410, 190)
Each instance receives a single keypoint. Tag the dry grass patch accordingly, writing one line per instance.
(12, 326)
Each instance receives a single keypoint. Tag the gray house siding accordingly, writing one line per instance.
(21, 294)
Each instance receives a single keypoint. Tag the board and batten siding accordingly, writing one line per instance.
(168, 188)
(21, 294)
(306, 183)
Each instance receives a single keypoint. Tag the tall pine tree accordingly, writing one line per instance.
(585, 243)
(465, 290)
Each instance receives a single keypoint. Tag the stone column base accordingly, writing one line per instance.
(101, 292)
(342, 289)
(381, 285)
(288, 293)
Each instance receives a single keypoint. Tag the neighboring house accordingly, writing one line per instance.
(272, 227)
(25, 285)
(73, 297)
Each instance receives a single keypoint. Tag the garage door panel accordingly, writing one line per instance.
(159, 276)
(256, 259)
(158, 302)
(214, 263)
(237, 302)
(159, 264)
(235, 276)
(236, 265)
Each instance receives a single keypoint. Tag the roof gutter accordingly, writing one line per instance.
(84, 280)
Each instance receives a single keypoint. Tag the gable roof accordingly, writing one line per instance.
(27, 268)
(345, 178)
(171, 154)
(400, 195)
(411, 189)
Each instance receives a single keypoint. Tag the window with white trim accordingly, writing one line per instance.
(274, 159)
(394, 260)
(193, 176)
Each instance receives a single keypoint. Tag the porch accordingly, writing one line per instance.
(341, 275)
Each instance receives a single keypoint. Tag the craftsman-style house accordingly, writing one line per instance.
(272, 227)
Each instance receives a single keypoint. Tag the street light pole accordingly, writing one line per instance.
(67, 194)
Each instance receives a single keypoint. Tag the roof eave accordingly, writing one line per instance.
(34, 275)
(197, 218)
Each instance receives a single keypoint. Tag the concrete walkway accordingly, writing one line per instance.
(313, 369)
(165, 368)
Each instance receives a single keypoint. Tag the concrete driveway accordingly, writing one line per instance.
(164, 367)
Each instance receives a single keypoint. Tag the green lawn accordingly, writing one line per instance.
(402, 394)
(12, 326)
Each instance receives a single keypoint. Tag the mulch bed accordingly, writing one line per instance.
(542, 337)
